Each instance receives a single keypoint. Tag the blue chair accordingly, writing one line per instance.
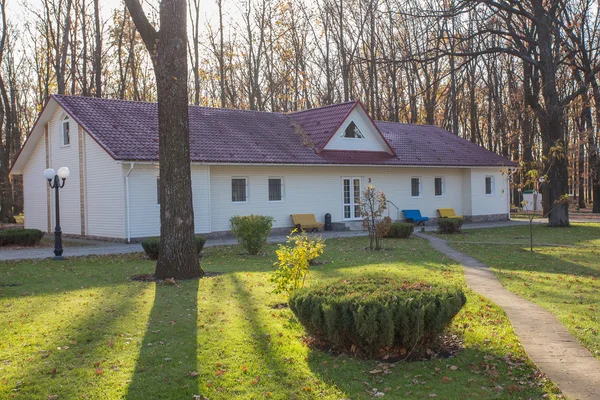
(415, 217)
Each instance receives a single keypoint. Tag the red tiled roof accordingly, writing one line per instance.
(128, 131)
(321, 123)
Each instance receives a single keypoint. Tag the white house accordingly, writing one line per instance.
(247, 162)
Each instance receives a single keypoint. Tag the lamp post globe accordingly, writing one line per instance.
(63, 172)
(53, 181)
(49, 174)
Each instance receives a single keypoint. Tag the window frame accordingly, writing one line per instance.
(442, 186)
(343, 136)
(281, 189)
(65, 121)
(420, 179)
(492, 185)
(246, 192)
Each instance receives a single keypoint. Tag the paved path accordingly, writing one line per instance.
(104, 248)
(547, 342)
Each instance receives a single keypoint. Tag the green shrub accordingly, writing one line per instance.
(450, 225)
(21, 237)
(294, 257)
(370, 315)
(251, 231)
(151, 246)
(400, 230)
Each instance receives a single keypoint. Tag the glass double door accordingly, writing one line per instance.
(351, 198)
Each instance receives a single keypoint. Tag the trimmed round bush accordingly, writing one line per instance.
(151, 246)
(21, 237)
(450, 225)
(251, 231)
(400, 230)
(369, 315)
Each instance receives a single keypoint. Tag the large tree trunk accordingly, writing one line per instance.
(177, 254)
(552, 124)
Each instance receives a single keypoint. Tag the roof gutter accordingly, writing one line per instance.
(252, 164)
(127, 219)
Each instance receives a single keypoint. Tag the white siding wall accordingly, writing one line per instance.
(104, 192)
(144, 214)
(66, 156)
(318, 190)
(201, 189)
(145, 211)
(34, 189)
(484, 204)
(371, 142)
(466, 188)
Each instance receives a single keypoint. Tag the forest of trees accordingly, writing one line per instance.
(520, 78)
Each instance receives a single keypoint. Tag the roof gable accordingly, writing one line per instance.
(361, 125)
(320, 123)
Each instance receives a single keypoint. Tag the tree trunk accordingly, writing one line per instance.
(98, 50)
(177, 253)
(552, 125)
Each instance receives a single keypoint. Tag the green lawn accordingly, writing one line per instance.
(563, 279)
(79, 329)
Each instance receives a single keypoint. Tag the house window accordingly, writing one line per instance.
(353, 132)
(415, 187)
(439, 186)
(275, 189)
(158, 190)
(489, 185)
(238, 189)
(66, 135)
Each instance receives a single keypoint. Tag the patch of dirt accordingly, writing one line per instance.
(10, 284)
(445, 346)
(170, 281)
(279, 306)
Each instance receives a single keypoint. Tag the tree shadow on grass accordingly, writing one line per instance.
(285, 376)
(167, 366)
(75, 343)
(37, 277)
(517, 258)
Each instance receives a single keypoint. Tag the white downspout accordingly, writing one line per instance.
(508, 179)
(127, 194)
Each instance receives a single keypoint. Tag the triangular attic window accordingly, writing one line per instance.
(352, 131)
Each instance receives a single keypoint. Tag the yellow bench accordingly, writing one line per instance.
(448, 213)
(306, 221)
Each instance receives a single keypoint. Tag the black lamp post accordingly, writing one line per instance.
(53, 182)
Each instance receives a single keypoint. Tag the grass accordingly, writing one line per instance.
(563, 279)
(80, 329)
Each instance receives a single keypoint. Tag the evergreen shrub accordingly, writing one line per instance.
(370, 315)
(151, 246)
(21, 237)
(400, 230)
(450, 225)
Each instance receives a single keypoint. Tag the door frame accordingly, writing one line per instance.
(352, 197)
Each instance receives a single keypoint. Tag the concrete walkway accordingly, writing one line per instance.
(96, 247)
(547, 342)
